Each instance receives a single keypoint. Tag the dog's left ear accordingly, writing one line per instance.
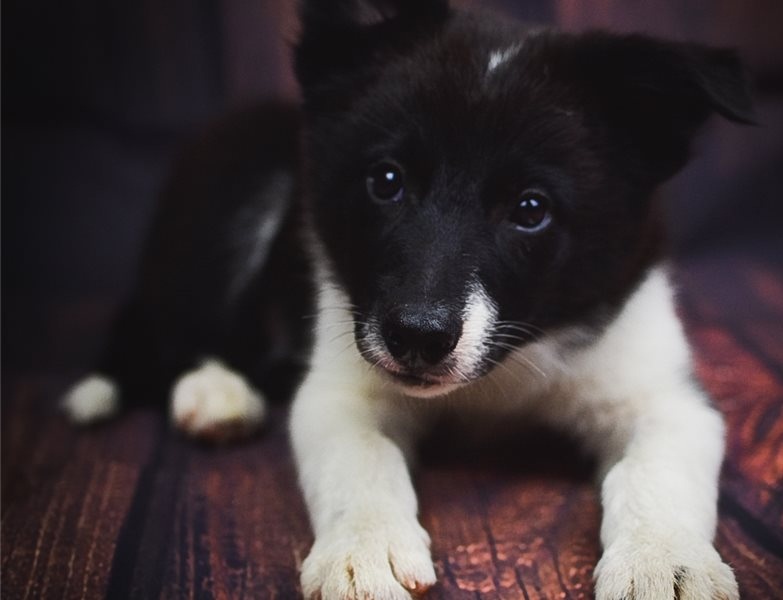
(342, 42)
(656, 94)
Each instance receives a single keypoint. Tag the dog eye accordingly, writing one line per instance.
(385, 182)
(532, 213)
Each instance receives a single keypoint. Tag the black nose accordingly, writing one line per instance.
(415, 334)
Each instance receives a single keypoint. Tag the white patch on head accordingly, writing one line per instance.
(215, 403)
(93, 399)
(500, 57)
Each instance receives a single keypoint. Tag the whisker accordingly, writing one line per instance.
(510, 336)
(344, 349)
(341, 335)
(520, 359)
(456, 373)
(347, 322)
(519, 325)
(503, 366)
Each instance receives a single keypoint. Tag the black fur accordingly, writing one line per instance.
(596, 121)
(192, 300)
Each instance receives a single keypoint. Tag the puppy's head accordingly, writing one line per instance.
(477, 185)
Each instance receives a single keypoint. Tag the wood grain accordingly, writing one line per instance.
(131, 510)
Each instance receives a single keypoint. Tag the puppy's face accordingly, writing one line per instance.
(476, 187)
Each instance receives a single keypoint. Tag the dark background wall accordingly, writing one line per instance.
(98, 96)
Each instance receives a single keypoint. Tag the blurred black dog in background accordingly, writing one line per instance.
(467, 207)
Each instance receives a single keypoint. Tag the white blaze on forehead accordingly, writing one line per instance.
(478, 319)
(499, 57)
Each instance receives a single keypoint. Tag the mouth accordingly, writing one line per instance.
(420, 385)
(429, 350)
(410, 380)
(416, 381)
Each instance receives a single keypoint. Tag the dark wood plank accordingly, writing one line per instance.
(533, 538)
(240, 521)
(733, 307)
(65, 495)
(516, 517)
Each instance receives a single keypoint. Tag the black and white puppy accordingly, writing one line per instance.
(471, 203)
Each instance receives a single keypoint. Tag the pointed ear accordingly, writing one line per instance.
(656, 95)
(341, 40)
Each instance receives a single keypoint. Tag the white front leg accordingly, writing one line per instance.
(368, 541)
(631, 397)
(660, 504)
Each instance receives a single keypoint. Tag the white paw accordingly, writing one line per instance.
(376, 557)
(645, 569)
(216, 404)
(94, 398)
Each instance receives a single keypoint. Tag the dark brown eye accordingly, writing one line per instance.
(386, 182)
(532, 214)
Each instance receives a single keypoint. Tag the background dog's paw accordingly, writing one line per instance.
(369, 558)
(92, 399)
(214, 403)
(642, 569)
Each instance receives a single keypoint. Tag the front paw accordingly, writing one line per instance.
(370, 557)
(645, 568)
(216, 404)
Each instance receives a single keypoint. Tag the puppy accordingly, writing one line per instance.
(470, 207)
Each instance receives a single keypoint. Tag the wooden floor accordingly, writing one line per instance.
(131, 510)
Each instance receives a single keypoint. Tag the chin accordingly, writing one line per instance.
(426, 390)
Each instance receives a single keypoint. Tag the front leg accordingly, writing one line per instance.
(660, 505)
(368, 541)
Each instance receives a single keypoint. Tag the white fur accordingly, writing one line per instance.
(627, 394)
(216, 403)
(630, 397)
(93, 399)
(478, 320)
(501, 57)
(348, 439)
(255, 231)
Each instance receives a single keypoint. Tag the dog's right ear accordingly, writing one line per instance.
(655, 95)
(343, 42)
